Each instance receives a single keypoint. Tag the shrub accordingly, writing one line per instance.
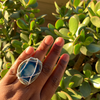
(78, 23)
(19, 28)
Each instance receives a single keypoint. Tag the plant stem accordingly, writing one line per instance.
(79, 61)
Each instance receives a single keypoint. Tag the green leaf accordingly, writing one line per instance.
(21, 24)
(76, 2)
(97, 66)
(18, 50)
(93, 48)
(30, 2)
(80, 27)
(95, 80)
(71, 72)
(65, 82)
(8, 65)
(57, 7)
(26, 17)
(77, 49)
(97, 6)
(24, 37)
(64, 31)
(61, 35)
(8, 56)
(50, 33)
(40, 21)
(59, 23)
(51, 27)
(12, 57)
(55, 97)
(98, 13)
(85, 89)
(68, 48)
(7, 46)
(87, 66)
(74, 94)
(32, 24)
(86, 21)
(16, 15)
(85, 51)
(25, 45)
(95, 21)
(77, 79)
(73, 27)
(16, 43)
(33, 5)
(82, 35)
(62, 95)
(88, 40)
(87, 73)
(3, 72)
(91, 12)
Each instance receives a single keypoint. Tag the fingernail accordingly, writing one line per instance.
(65, 57)
(59, 41)
(48, 40)
(29, 50)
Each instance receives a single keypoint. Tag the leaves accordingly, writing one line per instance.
(93, 48)
(3, 72)
(97, 66)
(16, 43)
(85, 89)
(73, 27)
(95, 21)
(59, 24)
(21, 24)
(77, 48)
(95, 80)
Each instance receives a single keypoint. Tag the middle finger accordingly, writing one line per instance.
(49, 64)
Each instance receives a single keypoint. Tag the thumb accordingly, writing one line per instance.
(10, 77)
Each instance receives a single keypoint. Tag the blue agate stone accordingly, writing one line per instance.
(29, 70)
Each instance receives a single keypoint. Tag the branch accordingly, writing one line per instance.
(15, 27)
(79, 62)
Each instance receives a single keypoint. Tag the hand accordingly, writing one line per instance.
(47, 82)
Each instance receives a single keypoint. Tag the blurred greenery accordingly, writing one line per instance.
(77, 23)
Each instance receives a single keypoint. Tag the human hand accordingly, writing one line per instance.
(47, 82)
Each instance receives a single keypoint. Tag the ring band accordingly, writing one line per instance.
(29, 70)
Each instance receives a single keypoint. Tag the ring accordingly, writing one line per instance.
(29, 70)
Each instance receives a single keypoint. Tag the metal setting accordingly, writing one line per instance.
(29, 70)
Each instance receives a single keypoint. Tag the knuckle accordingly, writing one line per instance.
(62, 64)
(43, 47)
(55, 82)
(56, 49)
(46, 68)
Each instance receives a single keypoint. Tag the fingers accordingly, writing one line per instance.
(40, 52)
(53, 81)
(43, 48)
(49, 63)
(11, 75)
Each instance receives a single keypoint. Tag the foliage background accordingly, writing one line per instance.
(78, 22)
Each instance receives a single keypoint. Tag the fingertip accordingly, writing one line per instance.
(59, 41)
(48, 40)
(29, 50)
(65, 57)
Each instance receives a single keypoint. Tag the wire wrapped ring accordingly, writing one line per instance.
(29, 70)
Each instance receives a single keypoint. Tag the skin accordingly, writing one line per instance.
(47, 82)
